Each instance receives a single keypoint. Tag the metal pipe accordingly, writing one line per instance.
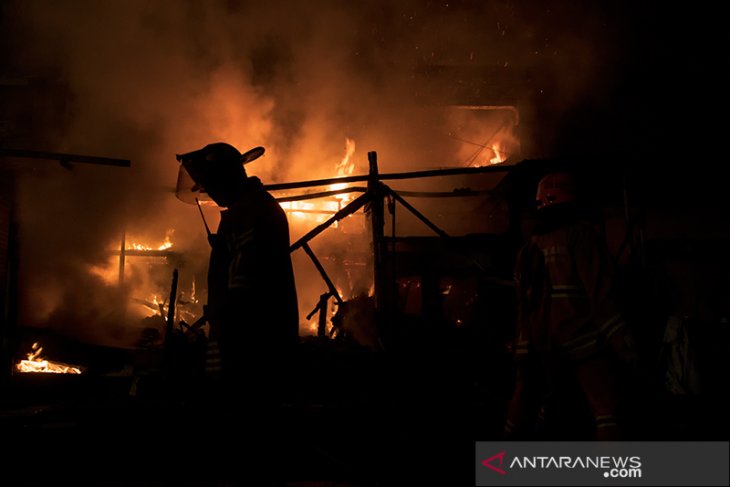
(65, 158)
(323, 194)
(456, 193)
(454, 171)
(330, 285)
(418, 214)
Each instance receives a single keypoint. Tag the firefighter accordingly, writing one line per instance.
(252, 303)
(569, 324)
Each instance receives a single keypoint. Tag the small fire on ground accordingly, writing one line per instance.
(35, 363)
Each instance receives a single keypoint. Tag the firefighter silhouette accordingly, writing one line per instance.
(252, 303)
(570, 328)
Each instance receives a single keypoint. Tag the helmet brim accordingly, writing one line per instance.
(252, 155)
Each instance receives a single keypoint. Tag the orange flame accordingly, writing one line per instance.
(309, 211)
(499, 151)
(35, 363)
(317, 211)
(166, 244)
(345, 168)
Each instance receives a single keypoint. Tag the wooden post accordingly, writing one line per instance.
(171, 310)
(377, 220)
(122, 256)
(322, 324)
(8, 276)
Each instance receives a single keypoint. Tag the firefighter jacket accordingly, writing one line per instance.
(568, 321)
(567, 304)
(252, 302)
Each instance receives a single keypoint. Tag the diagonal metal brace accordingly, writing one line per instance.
(416, 213)
(351, 208)
(323, 273)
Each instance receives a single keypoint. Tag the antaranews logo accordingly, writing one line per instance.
(610, 466)
(597, 463)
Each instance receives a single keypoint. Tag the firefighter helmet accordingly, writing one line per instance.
(555, 189)
(217, 161)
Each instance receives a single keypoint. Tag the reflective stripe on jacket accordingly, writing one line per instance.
(567, 303)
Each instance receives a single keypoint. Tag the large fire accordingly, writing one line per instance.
(35, 363)
(317, 211)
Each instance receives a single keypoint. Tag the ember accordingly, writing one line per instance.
(35, 363)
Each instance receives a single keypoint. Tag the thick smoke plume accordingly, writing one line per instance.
(147, 80)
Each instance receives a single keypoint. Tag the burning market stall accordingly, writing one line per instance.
(386, 270)
(336, 203)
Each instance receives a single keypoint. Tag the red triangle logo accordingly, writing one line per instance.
(488, 463)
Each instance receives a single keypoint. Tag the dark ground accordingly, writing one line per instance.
(352, 418)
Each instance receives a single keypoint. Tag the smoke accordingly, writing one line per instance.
(147, 80)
